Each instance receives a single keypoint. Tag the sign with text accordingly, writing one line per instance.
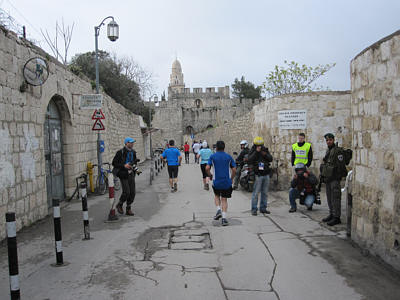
(292, 119)
(91, 101)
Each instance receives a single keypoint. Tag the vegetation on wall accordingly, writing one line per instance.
(294, 78)
(243, 89)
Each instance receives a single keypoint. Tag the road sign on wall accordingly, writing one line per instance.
(98, 125)
(98, 115)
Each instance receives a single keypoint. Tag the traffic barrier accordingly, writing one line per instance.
(83, 193)
(112, 216)
(57, 232)
(12, 255)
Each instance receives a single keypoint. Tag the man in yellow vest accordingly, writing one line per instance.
(302, 152)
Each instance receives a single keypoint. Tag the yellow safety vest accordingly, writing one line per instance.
(301, 153)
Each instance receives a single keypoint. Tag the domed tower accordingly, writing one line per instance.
(176, 83)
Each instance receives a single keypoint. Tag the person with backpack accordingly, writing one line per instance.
(123, 163)
(333, 170)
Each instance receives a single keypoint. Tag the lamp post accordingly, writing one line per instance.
(155, 101)
(112, 34)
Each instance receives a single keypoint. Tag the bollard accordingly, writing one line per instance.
(83, 193)
(57, 232)
(12, 255)
(156, 165)
(112, 216)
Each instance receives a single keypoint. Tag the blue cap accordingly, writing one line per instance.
(129, 140)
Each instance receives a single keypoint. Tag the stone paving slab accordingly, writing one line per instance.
(187, 246)
(190, 238)
(253, 295)
(190, 232)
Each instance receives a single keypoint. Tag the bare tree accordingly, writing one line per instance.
(65, 33)
(133, 71)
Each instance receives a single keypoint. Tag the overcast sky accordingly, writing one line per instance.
(219, 40)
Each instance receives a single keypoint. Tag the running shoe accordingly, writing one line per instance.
(175, 187)
(224, 222)
(218, 215)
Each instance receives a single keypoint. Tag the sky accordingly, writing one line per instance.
(217, 41)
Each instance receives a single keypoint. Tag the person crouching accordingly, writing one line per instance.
(303, 186)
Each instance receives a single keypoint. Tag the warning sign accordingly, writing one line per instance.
(98, 115)
(98, 125)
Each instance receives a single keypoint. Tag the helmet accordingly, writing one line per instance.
(258, 141)
(299, 166)
(245, 143)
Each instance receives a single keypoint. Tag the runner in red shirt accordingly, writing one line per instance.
(186, 148)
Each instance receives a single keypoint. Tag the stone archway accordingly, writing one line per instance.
(57, 118)
(198, 103)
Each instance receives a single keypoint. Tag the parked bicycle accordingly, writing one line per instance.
(102, 180)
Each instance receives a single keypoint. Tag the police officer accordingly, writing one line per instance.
(331, 176)
(302, 152)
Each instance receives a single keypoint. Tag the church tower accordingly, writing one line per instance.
(176, 83)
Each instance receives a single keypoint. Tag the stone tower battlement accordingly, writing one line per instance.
(208, 93)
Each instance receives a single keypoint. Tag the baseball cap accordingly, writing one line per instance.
(129, 140)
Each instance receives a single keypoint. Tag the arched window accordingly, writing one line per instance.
(198, 103)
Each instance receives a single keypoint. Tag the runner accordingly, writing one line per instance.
(186, 149)
(205, 153)
(196, 149)
(173, 158)
(222, 184)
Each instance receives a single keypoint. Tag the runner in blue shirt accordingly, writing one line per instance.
(222, 184)
(173, 158)
(204, 154)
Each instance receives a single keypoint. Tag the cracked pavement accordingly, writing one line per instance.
(173, 249)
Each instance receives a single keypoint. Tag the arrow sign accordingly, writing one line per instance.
(98, 125)
(98, 114)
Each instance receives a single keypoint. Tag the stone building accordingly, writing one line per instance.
(375, 110)
(187, 111)
(46, 137)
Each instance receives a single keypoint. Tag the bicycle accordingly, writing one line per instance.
(102, 180)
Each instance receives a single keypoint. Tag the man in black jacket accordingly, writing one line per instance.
(240, 160)
(123, 161)
(260, 157)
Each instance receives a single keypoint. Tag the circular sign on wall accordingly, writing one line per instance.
(36, 71)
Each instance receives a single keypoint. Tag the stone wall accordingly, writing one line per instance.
(326, 112)
(175, 116)
(22, 116)
(375, 82)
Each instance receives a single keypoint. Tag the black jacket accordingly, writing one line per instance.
(240, 158)
(255, 158)
(119, 162)
(307, 184)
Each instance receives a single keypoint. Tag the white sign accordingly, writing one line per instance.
(91, 101)
(292, 119)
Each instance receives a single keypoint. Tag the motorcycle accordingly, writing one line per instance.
(247, 177)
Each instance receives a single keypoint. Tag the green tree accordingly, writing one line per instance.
(113, 78)
(243, 89)
(294, 78)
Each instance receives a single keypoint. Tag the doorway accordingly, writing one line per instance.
(53, 153)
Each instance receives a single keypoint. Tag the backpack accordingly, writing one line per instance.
(347, 155)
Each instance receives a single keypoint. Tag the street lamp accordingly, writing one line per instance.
(155, 101)
(112, 34)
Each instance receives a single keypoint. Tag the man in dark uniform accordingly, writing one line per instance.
(331, 176)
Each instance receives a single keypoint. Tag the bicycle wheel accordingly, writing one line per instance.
(102, 184)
